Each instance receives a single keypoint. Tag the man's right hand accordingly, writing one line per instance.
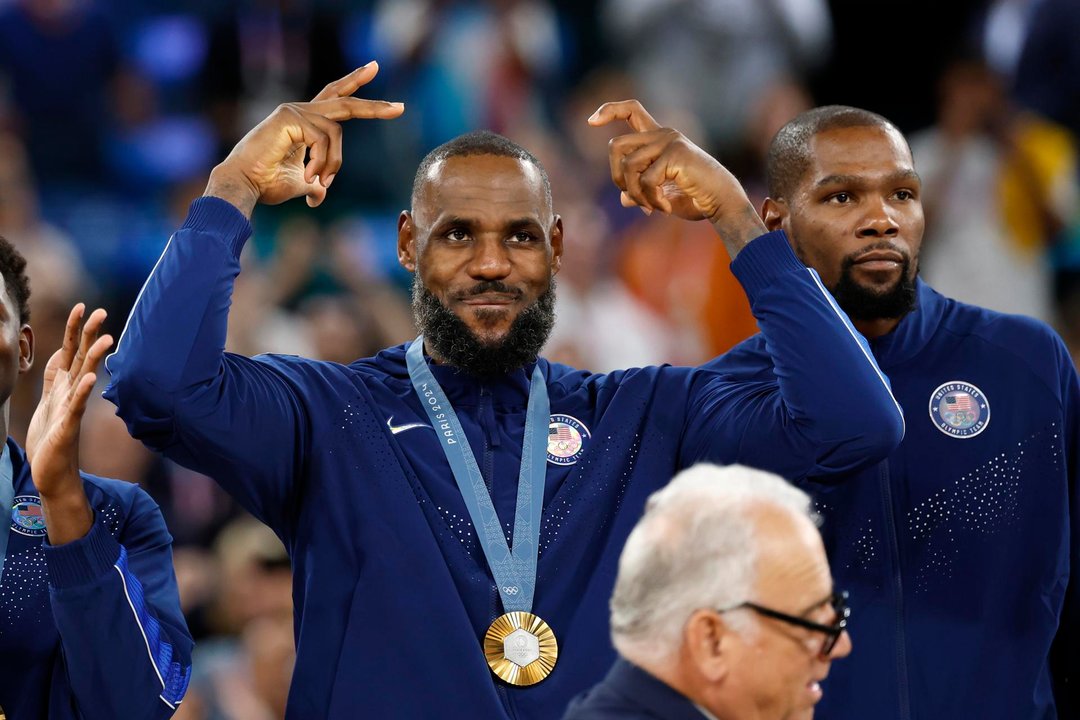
(267, 165)
(658, 168)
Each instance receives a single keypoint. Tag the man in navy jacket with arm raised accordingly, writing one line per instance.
(454, 507)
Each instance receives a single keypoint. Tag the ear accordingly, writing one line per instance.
(556, 245)
(26, 348)
(709, 643)
(406, 241)
(773, 213)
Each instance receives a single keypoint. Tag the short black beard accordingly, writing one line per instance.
(451, 341)
(861, 303)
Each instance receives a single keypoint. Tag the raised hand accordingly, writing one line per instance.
(268, 166)
(52, 440)
(658, 168)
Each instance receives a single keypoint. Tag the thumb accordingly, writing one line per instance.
(316, 193)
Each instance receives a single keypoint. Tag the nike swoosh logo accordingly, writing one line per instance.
(395, 429)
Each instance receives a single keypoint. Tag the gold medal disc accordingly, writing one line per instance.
(521, 648)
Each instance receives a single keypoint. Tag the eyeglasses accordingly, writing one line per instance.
(838, 601)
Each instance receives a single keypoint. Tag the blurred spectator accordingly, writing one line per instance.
(889, 63)
(470, 65)
(263, 51)
(59, 59)
(997, 187)
(1004, 31)
(54, 268)
(148, 150)
(244, 673)
(1047, 83)
(1047, 75)
(594, 308)
(715, 58)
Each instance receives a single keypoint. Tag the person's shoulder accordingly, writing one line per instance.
(603, 703)
(303, 370)
(1028, 341)
(1020, 333)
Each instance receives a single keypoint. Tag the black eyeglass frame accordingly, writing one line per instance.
(832, 633)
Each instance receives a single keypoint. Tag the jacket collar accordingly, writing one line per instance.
(510, 391)
(20, 470)
(914, 331)
(650, 693)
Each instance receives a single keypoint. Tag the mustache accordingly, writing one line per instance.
(488, 286)
(854, 257)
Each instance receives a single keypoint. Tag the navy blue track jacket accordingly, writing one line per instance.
(92, 629)
(959, 547)
(392, 591)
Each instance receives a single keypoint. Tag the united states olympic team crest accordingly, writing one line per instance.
(567, 437)
(27, 518)
(959, 409)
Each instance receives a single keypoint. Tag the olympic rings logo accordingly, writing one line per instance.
(513, 590)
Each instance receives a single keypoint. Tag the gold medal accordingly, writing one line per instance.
(521, 648)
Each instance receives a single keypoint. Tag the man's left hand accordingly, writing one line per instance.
(52, 440)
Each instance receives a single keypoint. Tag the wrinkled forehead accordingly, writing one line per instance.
(865, 151)
(791, 564)
(482, 187)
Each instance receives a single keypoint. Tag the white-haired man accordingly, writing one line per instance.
(723, 607)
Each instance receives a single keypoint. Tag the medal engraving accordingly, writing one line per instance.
(521, 647)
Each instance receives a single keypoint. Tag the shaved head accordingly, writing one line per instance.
(478, 142)
(789, 153)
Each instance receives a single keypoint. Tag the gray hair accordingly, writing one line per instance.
(695, 547)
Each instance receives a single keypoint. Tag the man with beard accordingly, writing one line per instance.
(454, 507)
(958, 548)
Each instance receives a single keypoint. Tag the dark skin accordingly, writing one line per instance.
(481, 219)
(477, 219)
(658, 168)
(860, 198)
(267, 165)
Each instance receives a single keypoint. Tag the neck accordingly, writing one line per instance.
(877, 327)
(5, 412)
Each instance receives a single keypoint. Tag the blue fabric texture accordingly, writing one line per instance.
(961, 548)
(392, 591)
(92, 629)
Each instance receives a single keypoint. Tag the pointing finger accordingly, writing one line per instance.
(345, 86)
(350, 108)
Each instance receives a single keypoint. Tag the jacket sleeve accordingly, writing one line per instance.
(234, 418)
(829, 408)
(126, 647)
(1065, 654)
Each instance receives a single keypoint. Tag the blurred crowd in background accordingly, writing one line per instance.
(113, 112)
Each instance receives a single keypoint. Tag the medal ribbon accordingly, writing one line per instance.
(7, 500)
(514, 571)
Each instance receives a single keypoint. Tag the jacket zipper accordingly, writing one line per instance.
(891, 536)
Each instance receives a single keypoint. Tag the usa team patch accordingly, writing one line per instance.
(959, 409)
(27, 517)
(567, 437)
